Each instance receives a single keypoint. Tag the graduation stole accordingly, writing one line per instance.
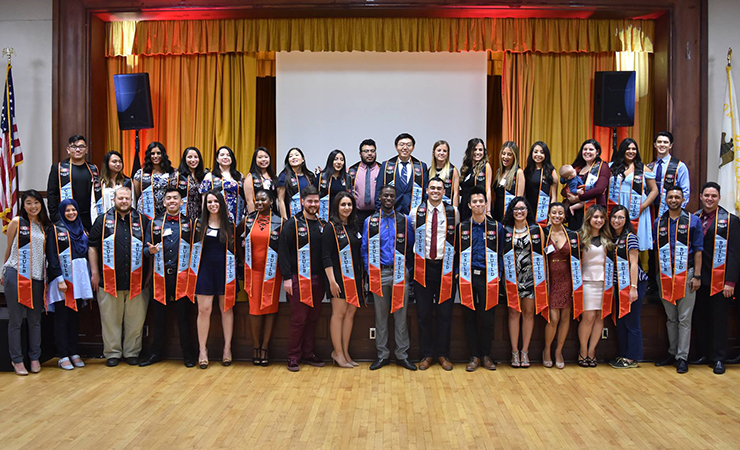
(64, 254)
(110, 223)
(536, 244)
(399, 258)
(622, 261)
(389, 177)
(303, 253)
(293, 190)
(218, 184)
(230, 269)
(591, 179)
(65, 186)
(465, 236)
(183, 259)
(445, 288)
(325, 194)
(147, 195)
(447, 181)
(636, 190)
(574, 250)
(272, 275)
(25, 263)
(352, 171)
(180, 182)
(669, 180)
(346, 264)
(719, 249)
(510, 193)
(673, 276)
(543, 201)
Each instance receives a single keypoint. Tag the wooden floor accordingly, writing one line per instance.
(170, 406)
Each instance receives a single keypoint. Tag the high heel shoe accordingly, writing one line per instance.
(264, 362)
(344, 365)
(256, 356)
(20, 369)
(354, 364)
(545, 362)
(515, 360)
(203, 361)
(525, 360)
(559, 364)
(582, 361)
(226, 360)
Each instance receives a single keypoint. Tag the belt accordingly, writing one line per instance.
(386, 266)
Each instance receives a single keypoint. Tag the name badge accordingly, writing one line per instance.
(212, 233)
(167, 232)
(550, 249)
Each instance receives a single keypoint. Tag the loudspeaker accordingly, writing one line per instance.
(614, 99)
(134, 101)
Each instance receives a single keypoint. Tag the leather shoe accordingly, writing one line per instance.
(406, 364)
(701, 360)
(153, 359)
(488, 363)
(132, 361)
(445, 363)
(293, 365)
(682, 366)
(473, 364)
(719, 367)
(425, 363)
(379, 363)
(670, 360)
(189, 362)
(313, 360)
(112, 362)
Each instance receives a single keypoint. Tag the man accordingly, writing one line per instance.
(120, 274)
(75, 178)
(434, 223)
(299, 256)
(478, 250)
(407, 174)
(169, 239)
(364, 175)
(720, 266)
(387, 243)
(679, 244)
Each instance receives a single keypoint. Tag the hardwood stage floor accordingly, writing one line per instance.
(242, 406)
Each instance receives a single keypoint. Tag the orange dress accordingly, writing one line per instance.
(260, 238)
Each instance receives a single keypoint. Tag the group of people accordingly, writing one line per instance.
(383, 233)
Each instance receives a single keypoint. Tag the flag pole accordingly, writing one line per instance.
(9, 52)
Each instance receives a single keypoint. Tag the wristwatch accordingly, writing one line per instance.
(698, 277)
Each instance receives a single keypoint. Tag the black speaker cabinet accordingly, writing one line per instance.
(614, 99)
(134, 101)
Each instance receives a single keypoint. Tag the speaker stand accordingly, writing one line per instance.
(614, 140)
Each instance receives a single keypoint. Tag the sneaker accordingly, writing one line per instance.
(623, 363)
(293, 365)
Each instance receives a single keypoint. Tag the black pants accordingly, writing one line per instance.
(427, 305)
(66, 322)
(363, 214)
(183, 308)
(480, 337)
(710, 322)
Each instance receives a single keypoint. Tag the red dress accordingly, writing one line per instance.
(561, 283)
(260, 239)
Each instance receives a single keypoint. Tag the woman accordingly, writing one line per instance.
(441, 167)
(627, 188)
(562, 251)
(111, 177)
(291, 182)
(215, 236)
(225, 178)
(333, 180)
(261, 176)
(596, 263)
(150, 182)
(541, 185)
(475, 171)
(629, 287)
(69, 286)
(524, 273)
(188, 178)
(260, 231)
(343, 266)
(595, 174)
(509, 182)
(24, 287)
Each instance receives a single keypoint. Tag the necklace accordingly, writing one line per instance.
(520, 230)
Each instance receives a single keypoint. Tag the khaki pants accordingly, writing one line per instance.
(122, 317)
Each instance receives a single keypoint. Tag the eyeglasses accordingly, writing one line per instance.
(368, 150)
(520, 209)
(405, 145)
(77, 147)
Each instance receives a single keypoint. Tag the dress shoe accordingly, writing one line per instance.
(488, 363)
(293, 365)
(132, 361)
(406, 364)
(473, 364)
(153, 359)
(65, 363)
(20, 369)
(701, 360)
(445, 363)
(381, 362)
(682, 366)
(77, 361)
(313, 360)
(35, 366)
(719, 367)
(734, 360)
(112, 362)
(189, 362)
(425, 363)
(670, 360)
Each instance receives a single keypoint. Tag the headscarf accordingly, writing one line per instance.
(76, 230)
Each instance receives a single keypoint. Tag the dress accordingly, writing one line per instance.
(561, 287)
(159, 186)
(592, 263)
(212, 268)
(231, 195)
(499, 195)
(524, 272)
(260, 240)
(645, 232)
(330, 258)
(194, 206)
(466, 185)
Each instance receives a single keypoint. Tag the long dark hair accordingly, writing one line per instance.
(223, 217)
(467, 164)
(618, 164)
(43, 215)
(334, 210)
(304, 168)
(547, 166)
(184, 169)
(105, 175)
(329, 168)
(579, 161)
(216, 172)
(254, 168)
(165, 165)
(627, 223)
(509, 215)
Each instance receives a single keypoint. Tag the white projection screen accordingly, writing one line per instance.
(335, 100)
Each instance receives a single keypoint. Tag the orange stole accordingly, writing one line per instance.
(24, 276)
(465, 239)
(399, 259)
(591, 179)
(719, 249)
(538, 267)
(673, 276)
(346, 262)
(621, 258)
(272, 275)
(445, 288)
(303, 252)
(183, 259)
(64, 252)
(110, 223)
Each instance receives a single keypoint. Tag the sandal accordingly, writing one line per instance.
(65, 363)
(264, 353)
(546, 363)
(592, 362)
(515, 360)
(582, 361)
(256, 356)
(525, 360)
(77, 361)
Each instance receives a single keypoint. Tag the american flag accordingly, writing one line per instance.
(11, 154)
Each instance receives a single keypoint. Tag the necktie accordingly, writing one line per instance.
(433, 243)
(659, 181)
(401, 183)
(368, 174)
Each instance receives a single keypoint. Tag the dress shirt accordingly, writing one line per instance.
(122, 248)
(363, 171)
(441, 229)
(388, 239)
(478, 241)
(682, 178)
(170, 241)
(696, 237)
(409, 169)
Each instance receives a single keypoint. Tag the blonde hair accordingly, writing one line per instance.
(446, 168)
(511, 175)
(605, 234)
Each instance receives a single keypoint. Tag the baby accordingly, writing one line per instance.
(569, 176)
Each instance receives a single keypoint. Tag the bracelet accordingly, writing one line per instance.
(633, 285)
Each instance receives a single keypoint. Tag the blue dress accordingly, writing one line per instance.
(645, 232)
(212, 268)
(231, 195)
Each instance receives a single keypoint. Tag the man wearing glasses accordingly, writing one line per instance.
(75, 178)
(407, 174)
(363, 175)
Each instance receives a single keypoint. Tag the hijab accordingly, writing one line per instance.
(77, 234)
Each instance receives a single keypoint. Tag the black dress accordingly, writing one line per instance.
(532, 189)
(330, 258)
(466, 185)
(498, 201)
(212, 268)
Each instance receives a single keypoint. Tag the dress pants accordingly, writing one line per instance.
(629, 330)
(480, 337)
(710, 316)
(427, 305)
(183, 308)
(678, 321)
(66, 332)
(122, 317)
(303, 319)
(18, 312)
(382, 311)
